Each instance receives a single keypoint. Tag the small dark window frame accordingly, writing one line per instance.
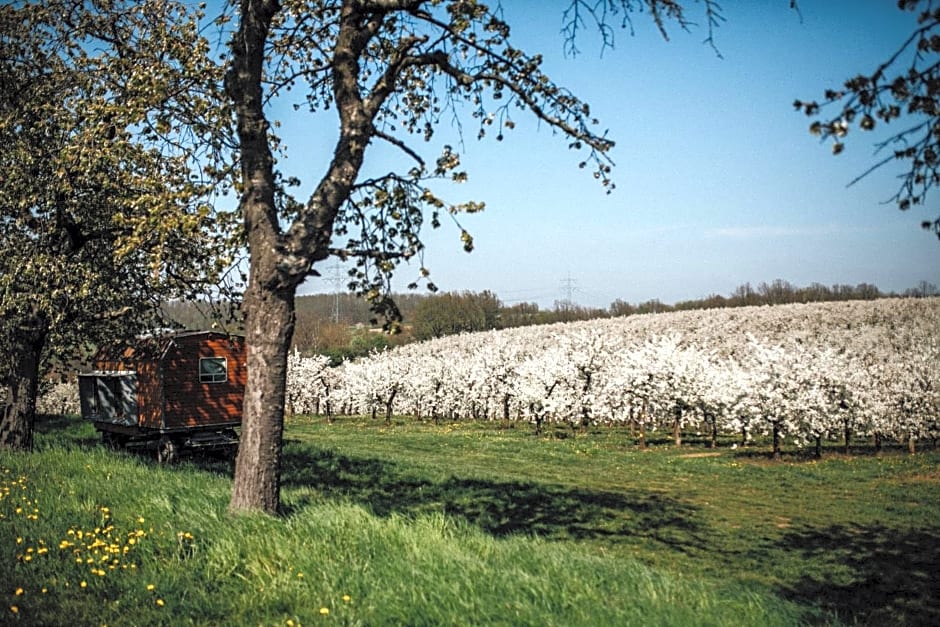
(210, 374)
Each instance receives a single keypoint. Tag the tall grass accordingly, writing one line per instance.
(426, 525)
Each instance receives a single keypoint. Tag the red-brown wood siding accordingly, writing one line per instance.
(149, 395)
(169, 393)
(190, 403)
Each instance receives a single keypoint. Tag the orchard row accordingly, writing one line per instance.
(797, 373)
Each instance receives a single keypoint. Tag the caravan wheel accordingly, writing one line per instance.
(168, 450)
(114, 441)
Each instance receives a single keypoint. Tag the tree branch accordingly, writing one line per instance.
(400, 145)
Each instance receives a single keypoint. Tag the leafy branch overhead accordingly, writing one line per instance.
(903, 90)
(115, 139)
(395, 71)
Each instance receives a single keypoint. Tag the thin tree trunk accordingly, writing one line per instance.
(642, 425)
(776, 453)
(911, 444)
(388, 407)
(642, 436)
(677, 428)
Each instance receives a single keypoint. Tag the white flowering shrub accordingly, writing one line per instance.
(59, 399)
(311, 383)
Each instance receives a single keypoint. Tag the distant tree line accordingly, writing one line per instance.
(341, 326)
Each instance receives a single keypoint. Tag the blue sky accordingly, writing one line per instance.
(718, 180)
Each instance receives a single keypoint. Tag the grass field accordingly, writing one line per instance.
(468, 523)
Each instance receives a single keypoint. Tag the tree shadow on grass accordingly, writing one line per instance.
(893, 576)
(499, 508)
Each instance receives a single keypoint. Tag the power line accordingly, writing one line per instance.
(335, 280)
(569, 286)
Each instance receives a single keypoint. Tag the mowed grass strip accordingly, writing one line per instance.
(466, 524)
(857, 535)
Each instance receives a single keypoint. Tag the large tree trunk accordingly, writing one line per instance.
(19, 411)
(269, 327)
(269, 301)
(281, 259)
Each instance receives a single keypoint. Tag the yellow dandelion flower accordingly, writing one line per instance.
(347, 598)
(159, 602)
(150, 586)
(19, 592)
(83, 584)
(140, 520)
(325, 611)
(300, 575)
(14, 609)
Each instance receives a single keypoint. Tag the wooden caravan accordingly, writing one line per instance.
(182, 390)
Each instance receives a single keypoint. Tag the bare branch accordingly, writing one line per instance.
(400, 145)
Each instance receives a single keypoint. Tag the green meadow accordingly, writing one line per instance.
(470, 523)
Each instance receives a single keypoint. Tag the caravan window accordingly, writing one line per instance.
(213, 370)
